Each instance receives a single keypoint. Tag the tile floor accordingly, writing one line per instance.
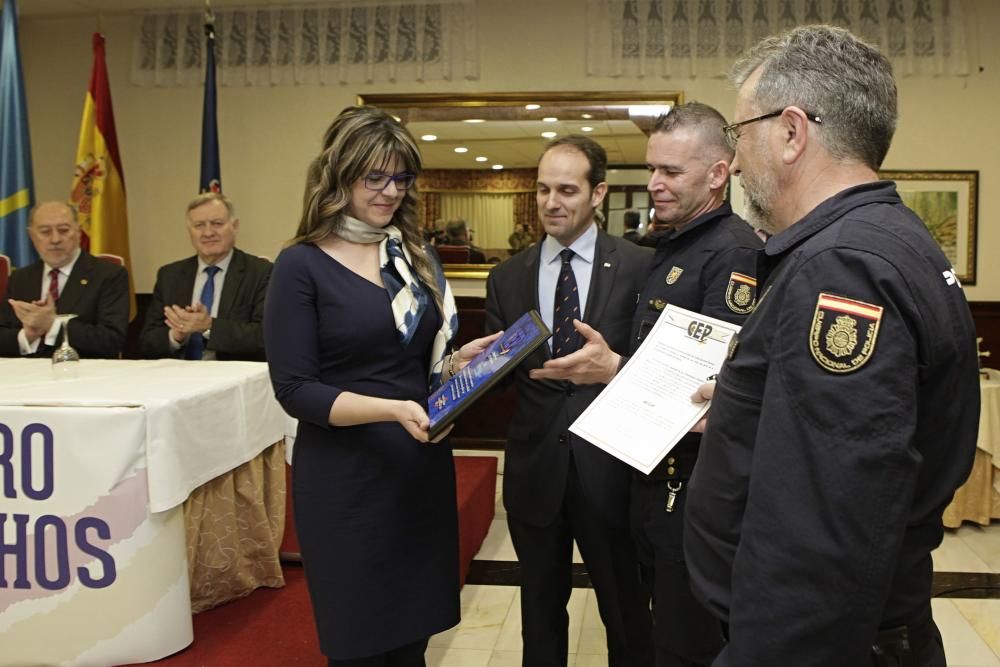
(490, 632)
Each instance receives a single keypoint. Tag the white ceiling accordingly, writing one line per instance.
(520, 143)
(511, 134)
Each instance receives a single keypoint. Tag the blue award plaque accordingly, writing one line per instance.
(501, 357)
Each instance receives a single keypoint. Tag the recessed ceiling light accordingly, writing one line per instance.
(549, 119)
(473, 120)
(532, 107)
(482, 158)
(586, 128)
(587, 115)
(548, 135)
(498, 167)
(461, 149)
(429, 137)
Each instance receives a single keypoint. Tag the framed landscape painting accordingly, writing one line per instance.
(947, 202)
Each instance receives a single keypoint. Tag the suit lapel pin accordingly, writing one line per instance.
(83, 281)
(607, 265)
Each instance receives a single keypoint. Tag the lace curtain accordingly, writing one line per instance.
(688, 38)
(339, 42)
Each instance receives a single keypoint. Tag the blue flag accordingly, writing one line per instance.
(211, 169)
(17, 191)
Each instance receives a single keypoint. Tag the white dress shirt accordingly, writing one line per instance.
(53, 333)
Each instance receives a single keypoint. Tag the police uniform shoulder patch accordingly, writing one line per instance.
(674, 275)
(844, 331)
(741, 293)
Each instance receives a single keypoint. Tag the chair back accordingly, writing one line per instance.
(4, 274)
(453, 254)
(114, 259)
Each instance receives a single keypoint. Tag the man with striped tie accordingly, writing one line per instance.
(705, 262)
(66, 280)
(558, 487)
(210, 306)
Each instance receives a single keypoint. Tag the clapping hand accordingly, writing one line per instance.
(186, 320)
(36, 316)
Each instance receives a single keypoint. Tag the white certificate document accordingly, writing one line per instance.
(647, 408)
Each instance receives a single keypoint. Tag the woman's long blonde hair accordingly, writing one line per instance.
(361, 140)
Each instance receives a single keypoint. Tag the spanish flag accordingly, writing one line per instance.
(98, 180)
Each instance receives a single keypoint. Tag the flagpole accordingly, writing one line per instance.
(210, 179)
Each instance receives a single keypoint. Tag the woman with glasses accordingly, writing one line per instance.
(357, 325)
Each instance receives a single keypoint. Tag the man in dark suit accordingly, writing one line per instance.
(705, 262)
(209, 306)
(558, 487)
(66, 280)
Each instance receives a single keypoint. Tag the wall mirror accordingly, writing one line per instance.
(481, 150)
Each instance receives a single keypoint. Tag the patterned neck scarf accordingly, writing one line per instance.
(409, 297)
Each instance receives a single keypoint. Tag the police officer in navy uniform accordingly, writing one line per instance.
(705, 262)
(847, 413)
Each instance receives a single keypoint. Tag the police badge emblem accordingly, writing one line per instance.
(674, 275)
(741, 293)
(843, 332)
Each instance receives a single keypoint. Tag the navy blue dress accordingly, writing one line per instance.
(375, 510)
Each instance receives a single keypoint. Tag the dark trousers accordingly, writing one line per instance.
(546, 559)
(409, 655)
(684, 632)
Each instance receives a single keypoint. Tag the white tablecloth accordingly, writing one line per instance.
(96, 469)
(202, 419)
(989, 420)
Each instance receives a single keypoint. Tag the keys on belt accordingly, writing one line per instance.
(673, 488)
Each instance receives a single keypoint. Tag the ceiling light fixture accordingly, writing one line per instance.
(549, 119)
(586, 128)
(474, 120)
(429, 137)
(548, 135)
(532, 107)
(482, 158)
(587, 115)
(498, 167)
(461, 149)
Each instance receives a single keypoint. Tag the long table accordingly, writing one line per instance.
(978, 499)
(95, 471)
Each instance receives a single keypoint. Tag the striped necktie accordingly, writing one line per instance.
(54, 285)
(565, 338)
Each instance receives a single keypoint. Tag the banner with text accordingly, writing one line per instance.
(88, 576)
